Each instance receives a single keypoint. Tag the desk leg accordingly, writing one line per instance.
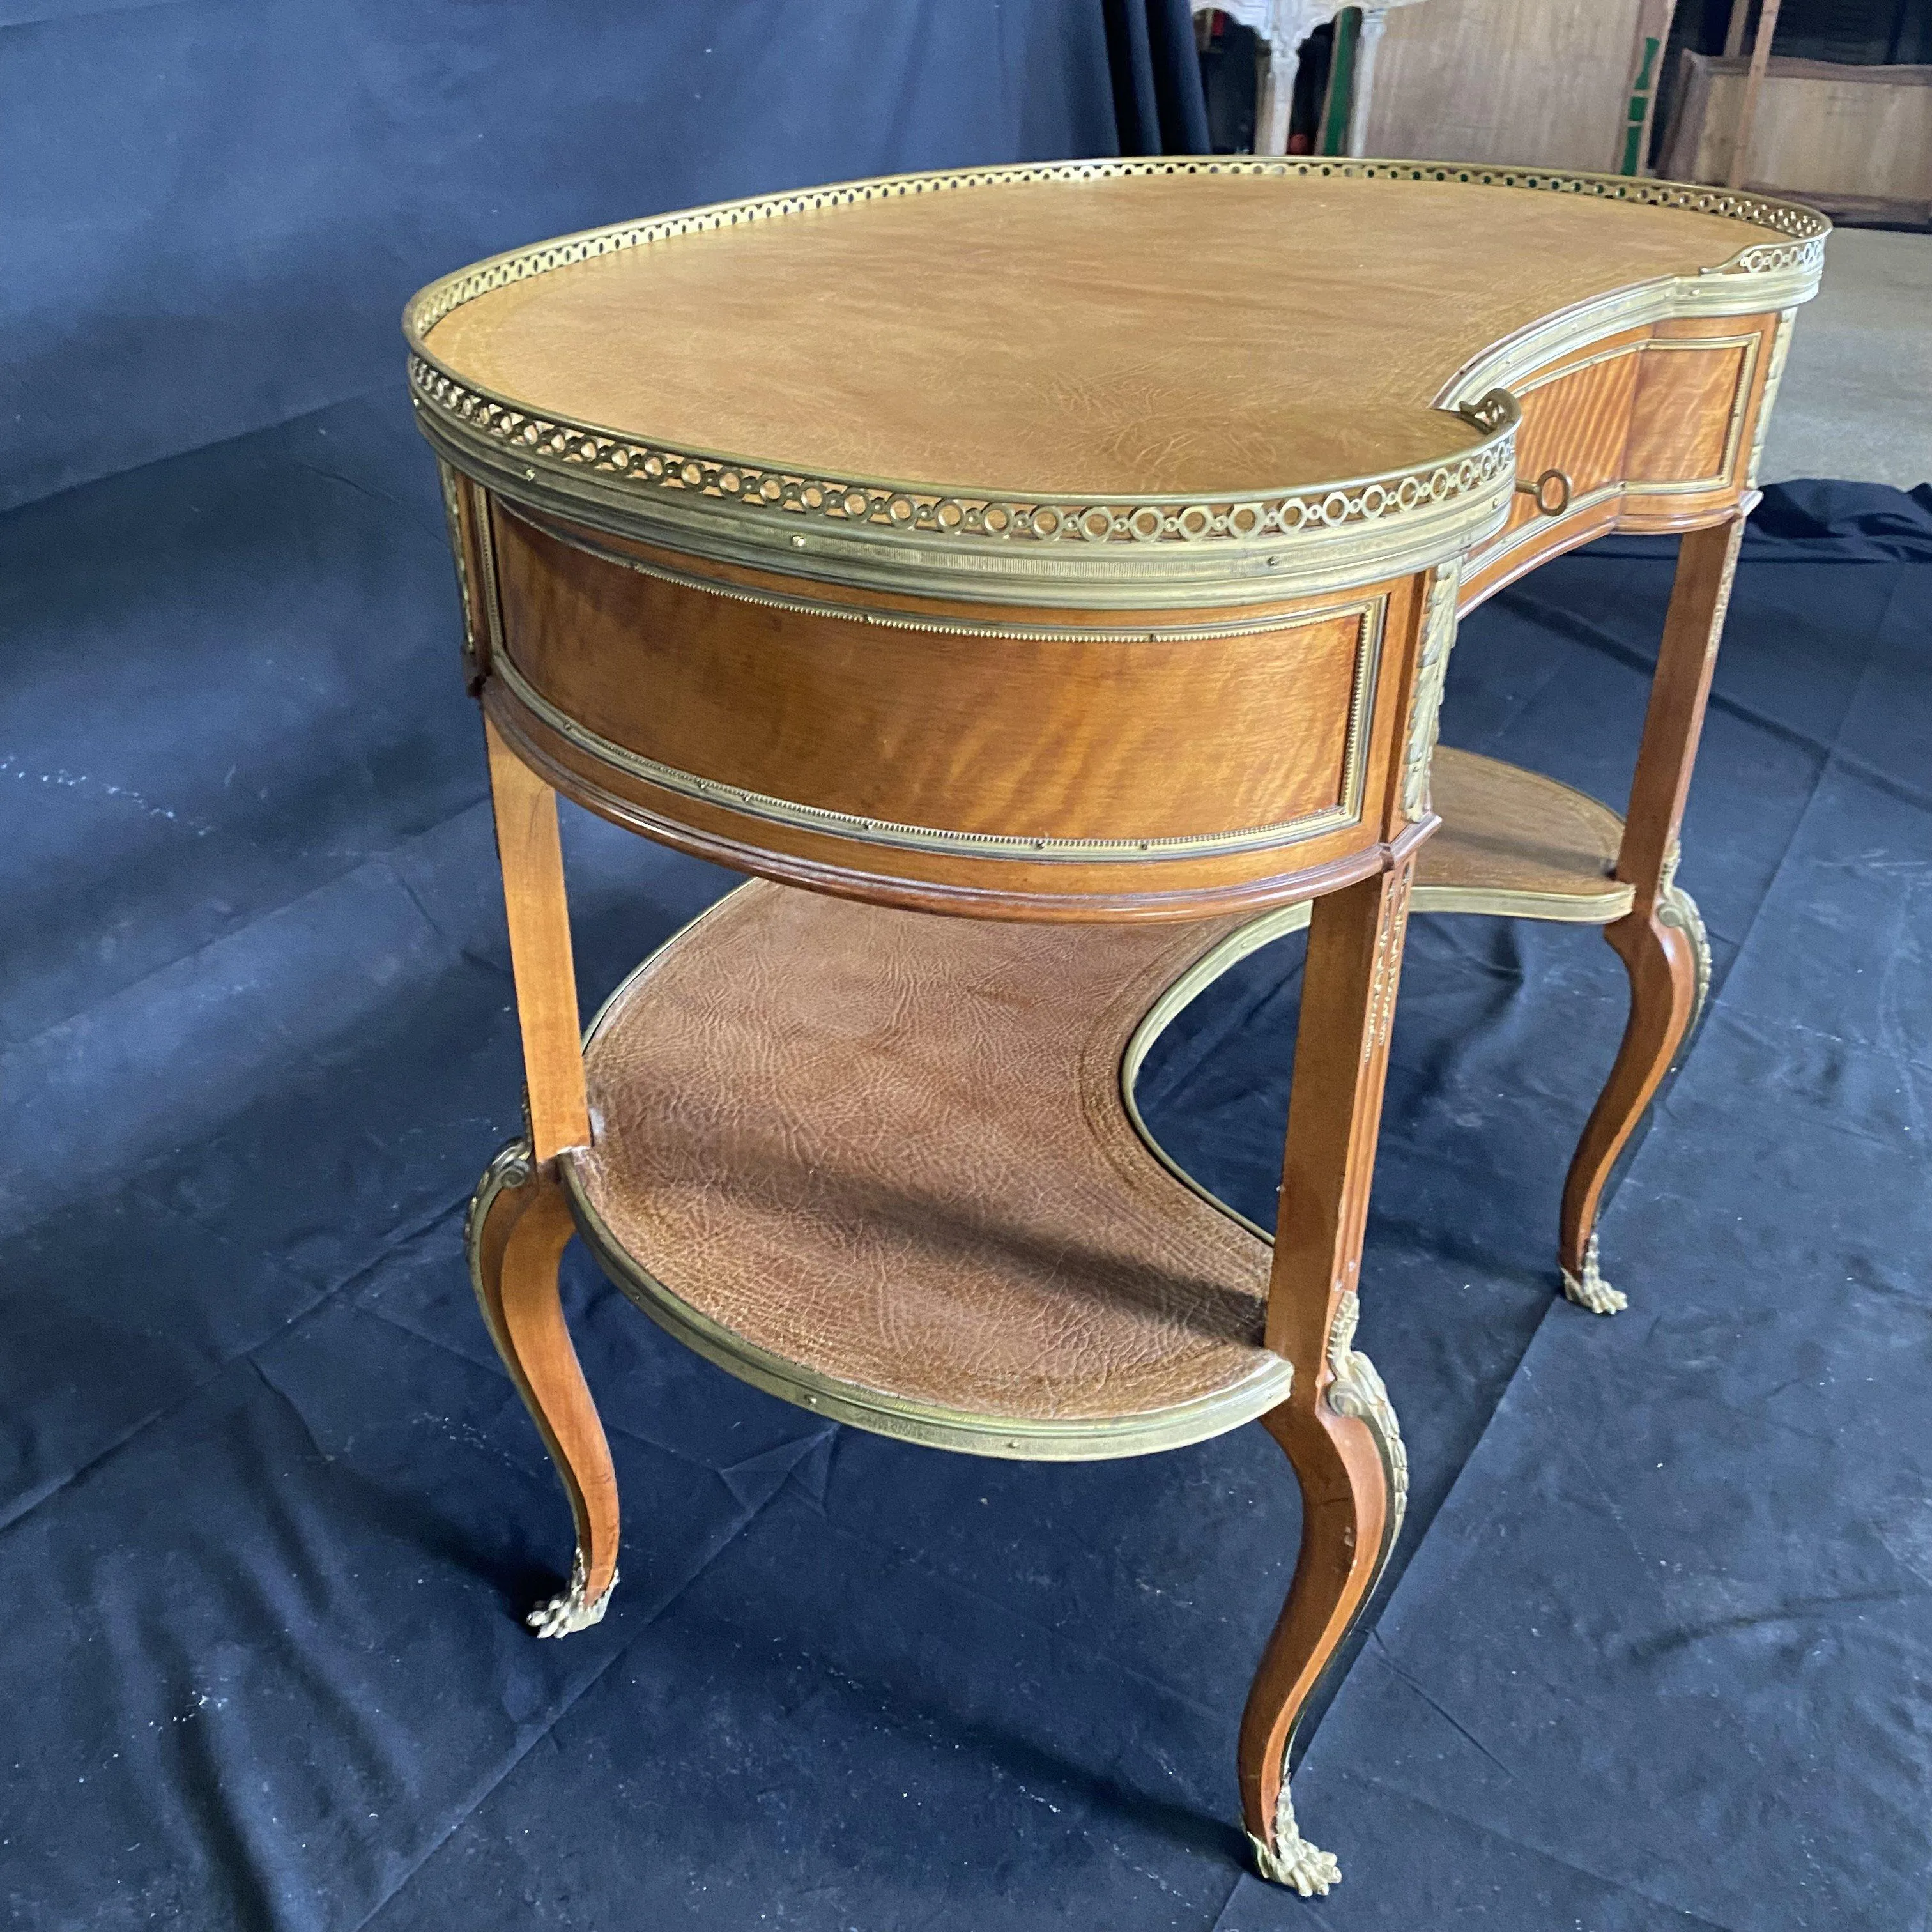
(1661, 939)
(1337, 1426)
(519, 1221)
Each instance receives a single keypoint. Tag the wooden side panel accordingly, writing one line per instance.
(1684, 426)
(1025, 736)
(1654, 429)
(1048, 763)
(1692, 420)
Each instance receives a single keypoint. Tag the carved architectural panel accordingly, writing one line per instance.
(1282, 26)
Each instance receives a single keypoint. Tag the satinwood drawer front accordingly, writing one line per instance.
(1576, 420)
(1697, 396)
(1652, 429)
(1114, 759)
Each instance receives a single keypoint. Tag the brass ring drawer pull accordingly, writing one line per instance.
(1540, 490)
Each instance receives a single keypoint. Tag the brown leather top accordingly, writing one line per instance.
(908, 1168)
(1153, 334)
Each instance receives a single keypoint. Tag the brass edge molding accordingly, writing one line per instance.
(486, 550)
(1498, 901)
(1354, 1389)
(947, 512)
(1506, 902)
(1728, 290)
(915, 620)
(1556, 372)
(1032, 848)
(1157, 905)
(1388, 963)
(1334, 535)
(474, 657)
(1179, 995)
(1513, 540)
(1094, 1439)
(1675, 907)
(1781, 347)
(511, 1166)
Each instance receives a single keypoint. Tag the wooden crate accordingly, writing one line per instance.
(1550, 83)
(1853, 140)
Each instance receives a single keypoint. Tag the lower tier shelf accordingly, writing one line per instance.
(1516, 843)
(887, 1164)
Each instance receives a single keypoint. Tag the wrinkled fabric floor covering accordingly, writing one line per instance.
(269, 1510)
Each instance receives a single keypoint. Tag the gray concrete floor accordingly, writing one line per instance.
(1856, 402)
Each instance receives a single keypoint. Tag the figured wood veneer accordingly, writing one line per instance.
(1165, 764)
(1194, 334)
(1130, 735)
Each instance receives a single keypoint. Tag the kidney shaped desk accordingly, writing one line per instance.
(1041, 580)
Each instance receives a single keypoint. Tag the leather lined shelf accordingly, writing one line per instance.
(877, 1162)
(1517, 843)
(881, 1163)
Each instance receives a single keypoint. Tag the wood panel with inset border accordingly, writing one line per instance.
(1653, 428)
(1691, 420)
(1071, 764)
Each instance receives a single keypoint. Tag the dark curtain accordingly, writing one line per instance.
(268, 1506)
(213, 213)
(1160, 105)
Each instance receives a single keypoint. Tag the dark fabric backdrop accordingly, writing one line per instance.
(1657, 1647)
(214, 210)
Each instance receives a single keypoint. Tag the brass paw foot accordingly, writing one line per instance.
(1293, 1860)
(563, 1614)
(1591, 1290)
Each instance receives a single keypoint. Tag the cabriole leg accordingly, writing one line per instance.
(1660, 956)
(519, 1224)
(1661, 940)
(1337, 1427)
(519, 1221)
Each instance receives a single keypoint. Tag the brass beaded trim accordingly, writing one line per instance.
(929, 513)
(574, 537)
(970, 514)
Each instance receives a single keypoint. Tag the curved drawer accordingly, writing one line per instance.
(1653, 429)
(1080, 763)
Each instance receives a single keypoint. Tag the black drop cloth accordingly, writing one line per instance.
(1656, 1648)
